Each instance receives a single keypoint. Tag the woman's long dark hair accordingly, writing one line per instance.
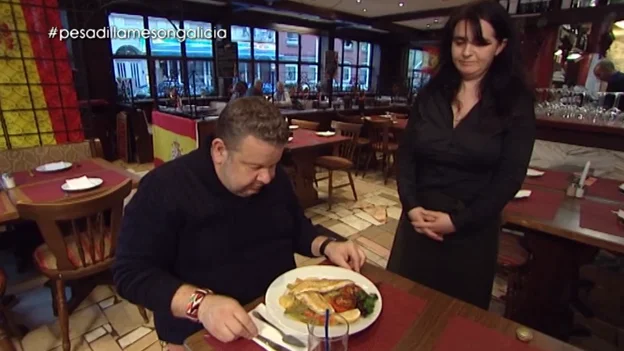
(506, 79)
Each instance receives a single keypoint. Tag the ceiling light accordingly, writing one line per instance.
(358, 1)
(401, 4)
(428, 25)
(435, 20)
(364, 9)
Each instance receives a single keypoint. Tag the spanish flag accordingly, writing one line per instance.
(37, 94)
(173, 136)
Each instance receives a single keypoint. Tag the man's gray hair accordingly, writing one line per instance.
(606, 65)
(253, 116)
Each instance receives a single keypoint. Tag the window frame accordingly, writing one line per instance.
(182, 58)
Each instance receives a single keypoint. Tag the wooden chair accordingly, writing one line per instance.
(309, 125)
(23, 159)
(362, 143)
(379, 133)
(513, 260)
(80, 236)
(342, 158)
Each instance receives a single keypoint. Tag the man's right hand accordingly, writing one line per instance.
(225, 319)
(418, 218)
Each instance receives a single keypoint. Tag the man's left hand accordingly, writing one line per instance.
(346, 254)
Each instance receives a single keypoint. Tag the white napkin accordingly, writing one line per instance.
(79, 183)
(270, 333)
(54, 166)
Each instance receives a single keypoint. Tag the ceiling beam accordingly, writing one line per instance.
(406, 16)
(328, 14)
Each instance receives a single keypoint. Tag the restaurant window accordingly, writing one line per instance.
(276, 56)
(417, 69)
(176, 63)
(292, 39)
(354, 65)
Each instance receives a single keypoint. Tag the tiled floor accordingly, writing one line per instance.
(105, 322)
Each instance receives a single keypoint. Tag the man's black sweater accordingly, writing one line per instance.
(184, 226)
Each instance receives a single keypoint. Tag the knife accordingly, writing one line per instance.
(275, 346)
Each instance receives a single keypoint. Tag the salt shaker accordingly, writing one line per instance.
(8, 181)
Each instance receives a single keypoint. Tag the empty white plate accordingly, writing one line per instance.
(90, 183)
(293, 127)
(326, 134)
(534, 173)
(620, 214)
(621, 187)
(521, 194)
(54, 167)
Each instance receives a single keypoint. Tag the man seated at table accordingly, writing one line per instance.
(256, 89)
(281, 96)
(222, 218)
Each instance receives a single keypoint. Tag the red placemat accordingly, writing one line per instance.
(606, 189)
(462, 334)
(550, 179)
(542, 204)
(308, 138)
(598, 216)
(400, 310)
(86, 166)
(51, 190)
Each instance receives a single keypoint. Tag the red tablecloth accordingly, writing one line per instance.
(400, 310)
(606, 189)
(400, 123)
(2, 207)
(462, 334)
(77, 170)
(542, 204)
(598, 216)
(550, 179)
(51, 190)
(308, 138)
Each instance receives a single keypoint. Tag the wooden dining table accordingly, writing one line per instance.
(431, 329)
(37, 187)
(559, 244)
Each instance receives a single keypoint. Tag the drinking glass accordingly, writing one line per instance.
(337, 340)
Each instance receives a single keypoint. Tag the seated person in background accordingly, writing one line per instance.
(240, 90)
(281, 96)
(256, 90)
(605, 71)
(222, 218)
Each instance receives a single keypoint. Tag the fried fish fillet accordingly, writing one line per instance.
(319, 285)
(315, 301)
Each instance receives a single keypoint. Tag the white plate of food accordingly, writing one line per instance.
(326, 134)
(303, 294)
(81, 184)
(534, 173)
(293, 127)
(521, 194)
(54, 167)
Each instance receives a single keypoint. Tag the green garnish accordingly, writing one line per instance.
(366, 302)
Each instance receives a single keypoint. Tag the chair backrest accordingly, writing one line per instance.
(91, 223)
(351, 130)
(305, 124)
(23, 159)
(379, 132)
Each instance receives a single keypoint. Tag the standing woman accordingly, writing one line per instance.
(463, 156)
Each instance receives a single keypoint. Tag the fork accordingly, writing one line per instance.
(287, 338)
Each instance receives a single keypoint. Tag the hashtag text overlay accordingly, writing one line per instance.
(136, 33)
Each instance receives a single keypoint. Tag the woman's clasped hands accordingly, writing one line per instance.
(434, 224)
